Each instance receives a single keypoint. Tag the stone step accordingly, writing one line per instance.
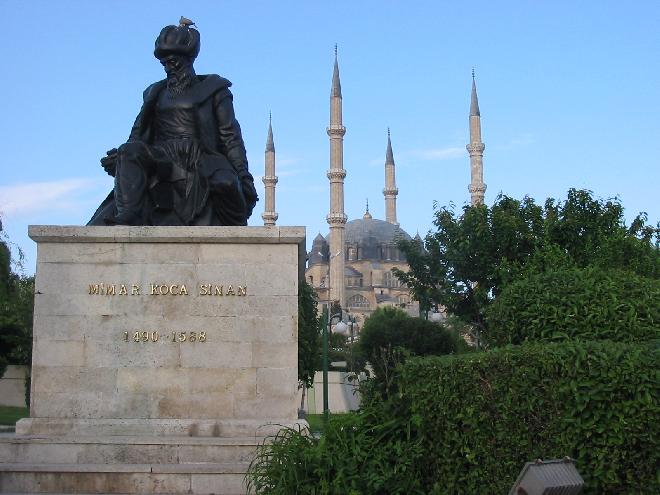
(127, 450)
(196, 478)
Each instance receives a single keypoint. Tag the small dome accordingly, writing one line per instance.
(319, 239)
(320, 251)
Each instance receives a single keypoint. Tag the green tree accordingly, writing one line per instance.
(309, 337)
(16, 310)
(472, 256)
(460, 264)
(390, 335)
(593, 232)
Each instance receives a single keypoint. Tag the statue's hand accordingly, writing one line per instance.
(249, 191)
(109, 162)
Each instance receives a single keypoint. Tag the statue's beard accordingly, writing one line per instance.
(178, 82)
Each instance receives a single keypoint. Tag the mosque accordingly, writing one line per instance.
(352, 264)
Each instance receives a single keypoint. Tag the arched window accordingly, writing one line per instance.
(358, 301)
(390, 280)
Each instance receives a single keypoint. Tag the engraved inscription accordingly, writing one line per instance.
(166, 289)
(222, 290)
(139, 336)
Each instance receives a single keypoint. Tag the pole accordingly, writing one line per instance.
(326, 332)
(326, 324)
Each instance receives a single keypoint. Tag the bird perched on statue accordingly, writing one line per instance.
(185, 22)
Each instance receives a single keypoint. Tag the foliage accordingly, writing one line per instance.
(309, 335)
(569, 302)
(593, 231)
(16, 309)
(9, 415)
(359, 453)
(390, 335)
(466, 263)
(481, 416)
(458, 267)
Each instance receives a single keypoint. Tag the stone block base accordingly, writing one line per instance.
(126, 464)
(78, 428)
(162, 357)
(216, 479)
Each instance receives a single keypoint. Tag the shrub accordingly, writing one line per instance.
(569, 302)
(389, 335)
(482, 416)
(359, 453)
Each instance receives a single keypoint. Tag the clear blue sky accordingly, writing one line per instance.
(569, 96)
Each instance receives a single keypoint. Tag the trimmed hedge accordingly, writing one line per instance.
(482, 416)
(586, 303)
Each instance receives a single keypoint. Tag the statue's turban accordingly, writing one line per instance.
(177, 40)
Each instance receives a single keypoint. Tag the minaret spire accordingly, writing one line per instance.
(336, 83)
(474, 101)
(476, 148)
(390, 191)
(336, 174)
(269, 179)
(270, 145)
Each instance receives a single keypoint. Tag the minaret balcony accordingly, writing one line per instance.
(338, 173)
(336, 218)
(336, 131)
(477, 188)
(475, 148)
(390, 191)
(269, 179)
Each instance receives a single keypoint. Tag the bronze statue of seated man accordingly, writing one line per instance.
(184, 162)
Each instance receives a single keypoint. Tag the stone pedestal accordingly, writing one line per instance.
(157, 351)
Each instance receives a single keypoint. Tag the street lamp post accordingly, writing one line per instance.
(326, 333)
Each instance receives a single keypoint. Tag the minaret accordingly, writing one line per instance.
(390, 191)
(336, 174)
(476, 148)
(269, 179)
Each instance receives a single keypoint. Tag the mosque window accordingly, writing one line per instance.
(358, 301)
(311, 280)
(390, 280)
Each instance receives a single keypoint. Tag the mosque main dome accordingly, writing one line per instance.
(368, 230)
(365, 238)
